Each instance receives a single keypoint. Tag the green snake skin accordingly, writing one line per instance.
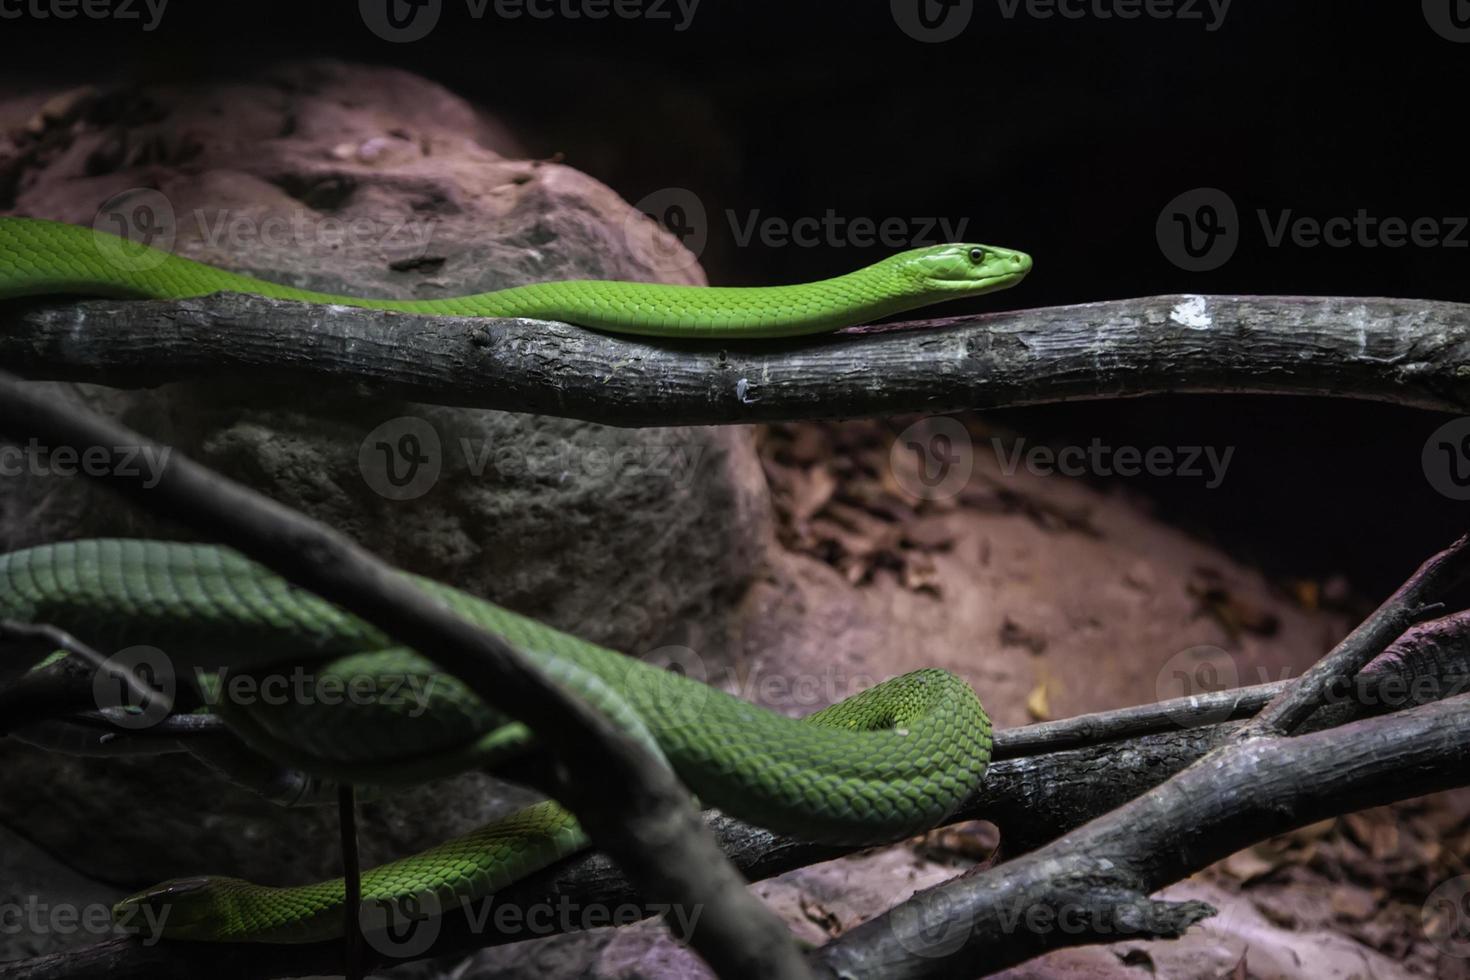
(887, 762)
(43, 257)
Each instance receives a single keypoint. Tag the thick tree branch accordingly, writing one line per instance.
(633, 808)
(1257, 783)
(1084, 887)
(1034, 799)
(1409, 352)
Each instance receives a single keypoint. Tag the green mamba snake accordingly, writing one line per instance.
(885, 763)
(44, 257)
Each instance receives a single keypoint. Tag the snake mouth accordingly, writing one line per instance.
(980, 284)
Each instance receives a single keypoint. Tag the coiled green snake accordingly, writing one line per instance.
(887, 762)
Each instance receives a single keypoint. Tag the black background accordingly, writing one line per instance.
(1062, 137)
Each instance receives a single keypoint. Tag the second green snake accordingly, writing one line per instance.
(887, 762)
(45, 257)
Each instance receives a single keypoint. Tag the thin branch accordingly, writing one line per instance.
(352, 879)
(630, 806)
(47, 639)
(1408, 352)
(1388, 622)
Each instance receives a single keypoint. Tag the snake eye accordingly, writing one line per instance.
(977, 255)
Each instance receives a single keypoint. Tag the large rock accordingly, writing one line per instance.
(380, 183)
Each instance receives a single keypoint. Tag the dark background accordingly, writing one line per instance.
(1065, 138)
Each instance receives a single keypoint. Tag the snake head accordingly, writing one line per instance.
(965, 268)
(181, 908)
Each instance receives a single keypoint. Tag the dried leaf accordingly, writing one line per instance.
(1038, 702)
(821, 916)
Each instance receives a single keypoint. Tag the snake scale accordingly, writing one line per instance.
(888, 761)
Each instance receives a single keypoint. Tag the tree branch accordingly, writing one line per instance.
(1082, 888)
(630, 806)
(1389, 621)
(1408, 352)
(1034, 799)
(1257, 783)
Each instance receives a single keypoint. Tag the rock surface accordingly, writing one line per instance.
(376, 182)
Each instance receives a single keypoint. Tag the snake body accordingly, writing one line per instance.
(44, 257)
(889, 761)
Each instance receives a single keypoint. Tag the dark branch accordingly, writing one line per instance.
(632, 807)
(46, 639)
(1072, 891)
(1387, 623)
(1034, 800)
(1409, 352)
(1256, 783)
